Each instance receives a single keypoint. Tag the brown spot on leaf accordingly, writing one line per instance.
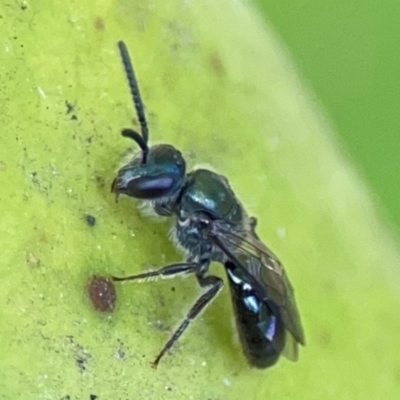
(216, 64)
(99, 24)
(101, 291)
(324, 338)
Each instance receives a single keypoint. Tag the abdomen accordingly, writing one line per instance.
(262, 333)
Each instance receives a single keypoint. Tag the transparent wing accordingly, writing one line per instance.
(266, 274)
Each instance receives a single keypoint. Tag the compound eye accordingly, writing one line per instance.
(149, 188)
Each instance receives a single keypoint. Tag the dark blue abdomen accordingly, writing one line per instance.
(261, 332)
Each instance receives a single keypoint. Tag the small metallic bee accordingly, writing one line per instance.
(212, 225)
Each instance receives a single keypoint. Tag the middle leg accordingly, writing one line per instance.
(214, 284)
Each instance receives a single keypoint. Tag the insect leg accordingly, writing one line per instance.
(168, 271)
(215, 285)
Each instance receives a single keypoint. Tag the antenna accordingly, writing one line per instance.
(137, 101)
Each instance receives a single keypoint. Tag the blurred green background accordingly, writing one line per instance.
(209, 70)
(348, 51)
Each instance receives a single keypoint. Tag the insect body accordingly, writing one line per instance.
(212, 225)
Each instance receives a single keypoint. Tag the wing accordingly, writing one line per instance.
(265, 271)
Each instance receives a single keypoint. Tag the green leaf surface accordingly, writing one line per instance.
(217, 85)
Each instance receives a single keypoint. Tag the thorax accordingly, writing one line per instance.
(207, 194)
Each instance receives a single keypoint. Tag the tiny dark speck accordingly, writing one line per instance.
(93, 397)
(70, 107)
(101, 291)
(90, 220)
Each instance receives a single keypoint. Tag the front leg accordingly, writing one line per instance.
(169, 271)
